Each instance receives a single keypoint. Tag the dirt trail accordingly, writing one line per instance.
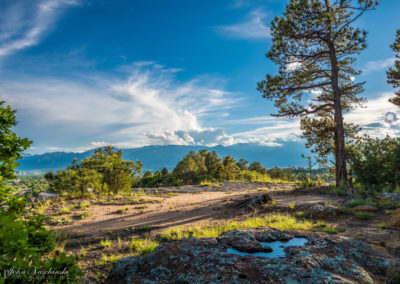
(186, 209)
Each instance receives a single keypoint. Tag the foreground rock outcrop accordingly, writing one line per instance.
(323, 259)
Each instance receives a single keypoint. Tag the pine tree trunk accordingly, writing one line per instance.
(341, 173)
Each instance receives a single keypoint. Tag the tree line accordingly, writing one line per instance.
(105, 172)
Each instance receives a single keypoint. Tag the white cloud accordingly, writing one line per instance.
(24, 24)
(275, 131)
(253, 27)
(378, 118)
(148, 107)
(378, 65)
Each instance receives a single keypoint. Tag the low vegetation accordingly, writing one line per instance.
(142, 246)
(279, 221)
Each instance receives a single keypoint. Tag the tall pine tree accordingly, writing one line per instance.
(315, 46)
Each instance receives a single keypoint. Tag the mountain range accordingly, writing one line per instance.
(157, 157)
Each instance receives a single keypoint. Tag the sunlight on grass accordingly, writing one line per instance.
(84, 205)
(278, 221)
(105, 243)
(106, 259)
(143, 246)
(64, 210)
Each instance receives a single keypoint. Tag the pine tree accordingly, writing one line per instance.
(393, 74)
(314, 45)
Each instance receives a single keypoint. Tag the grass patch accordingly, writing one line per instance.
(362, 215)
(331, 230)
(382, 226)
(121, 211)
(106, 259)
(299, 215)
(85, 205)
(345, 209)
(64, 210)
(278, 221)
(389, 204)
(105, 243)
(388, 211)
(82, 253)
(146, 228)
(355, 202)
(63, 221)
(143, 246)
(84, 215)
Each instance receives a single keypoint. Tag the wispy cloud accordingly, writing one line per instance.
(253, 27)
(24, 24)
(149, 107)
(378, 65)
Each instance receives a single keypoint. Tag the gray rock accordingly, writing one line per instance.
(318, 210)
(324, 259)
(47, 195)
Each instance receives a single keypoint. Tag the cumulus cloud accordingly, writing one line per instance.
(144, 108)
(253, 27)
(378, 118)
(275, 131)
(23, 24)
(207, 137)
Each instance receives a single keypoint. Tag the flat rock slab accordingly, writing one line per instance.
(324, 259)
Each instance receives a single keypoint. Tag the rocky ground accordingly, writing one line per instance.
(348, 247)
(324, 259)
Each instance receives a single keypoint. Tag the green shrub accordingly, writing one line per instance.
(362, 215)
(377, 164)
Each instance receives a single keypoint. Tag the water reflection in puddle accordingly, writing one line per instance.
(276, 246)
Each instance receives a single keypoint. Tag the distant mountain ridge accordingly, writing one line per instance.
(157, 157)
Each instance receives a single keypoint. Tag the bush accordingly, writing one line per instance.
(377, 164)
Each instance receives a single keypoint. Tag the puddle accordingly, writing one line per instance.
(277, 247)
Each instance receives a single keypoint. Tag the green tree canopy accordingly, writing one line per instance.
(25, 243)
(256, 166)
(105, 171)
(394, 72)
(315, 45)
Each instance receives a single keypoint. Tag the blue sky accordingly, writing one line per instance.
(85, 73)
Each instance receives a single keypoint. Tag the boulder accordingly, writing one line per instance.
(366, 208)
(318, 210)
(323, 259)
(47, 195)
(393, 220)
